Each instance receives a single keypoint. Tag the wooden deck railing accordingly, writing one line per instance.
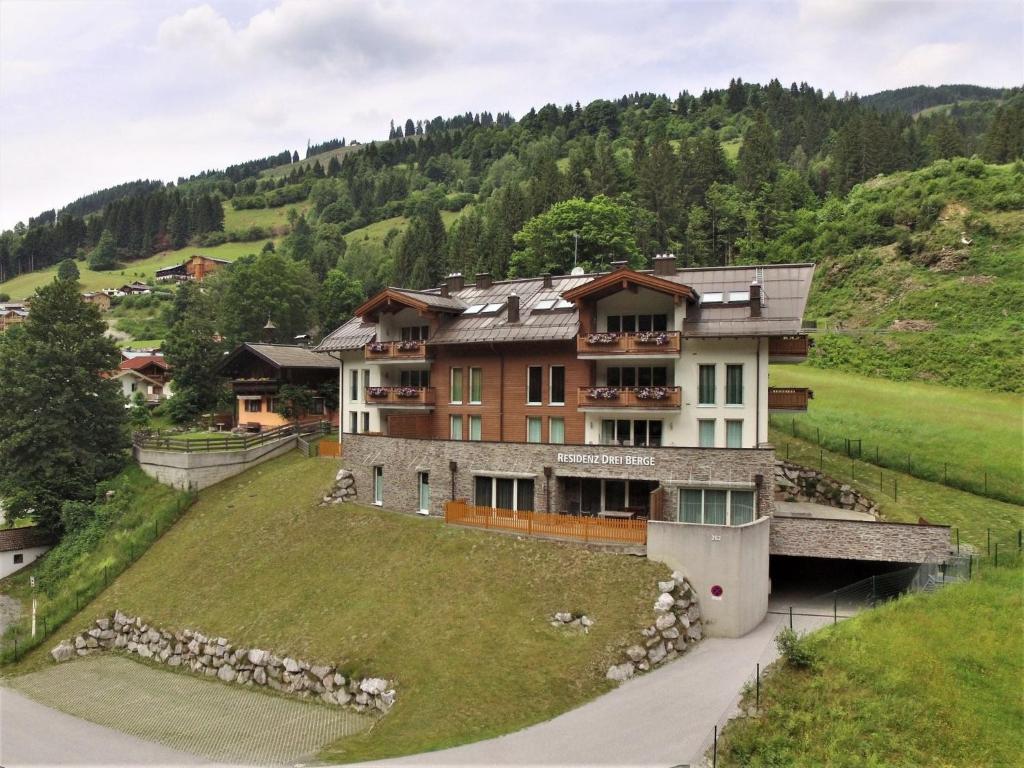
(643, 343)
(395, 350)
(400, 396)
(576, 527)
(789, 398)
(789, 346)
(228, 442)
(629, 397)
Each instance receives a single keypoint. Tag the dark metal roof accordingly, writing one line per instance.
(25, 538)
(281, 356)
(352, 335)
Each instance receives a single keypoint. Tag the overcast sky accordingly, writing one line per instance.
(96, 93)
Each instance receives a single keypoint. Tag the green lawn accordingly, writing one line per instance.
(24, 285)
(374, 234)
(458, 618)
(927, 680)
(934, 428)
(269, 218)
(731, 148)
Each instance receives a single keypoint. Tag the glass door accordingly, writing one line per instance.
(378, 485)
(424, 481)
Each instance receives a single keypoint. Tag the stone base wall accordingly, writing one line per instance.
(859, 540)
(216, 657)
(195, 471)
(403, 458)
(794, 482)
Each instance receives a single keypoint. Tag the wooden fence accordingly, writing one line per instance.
(227, 442)
(576, 527)
(330, 448)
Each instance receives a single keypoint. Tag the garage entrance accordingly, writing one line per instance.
(824, 586)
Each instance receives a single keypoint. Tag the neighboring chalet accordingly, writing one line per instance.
(196, 268)
(99, 298)
(12, 313)
(135, 289)
(148, 374)
(259, 371)
(20, 547)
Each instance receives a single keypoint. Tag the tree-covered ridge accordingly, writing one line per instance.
(915, 98)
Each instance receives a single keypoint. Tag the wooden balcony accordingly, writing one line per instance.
(788, 349)
(255, 386)
(395, 351)
(644, 344)
(401, 397)
(638, 398)
(788, 399)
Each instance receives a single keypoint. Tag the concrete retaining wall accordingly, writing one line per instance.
(734, 558)
(195, 471)
(859, 540)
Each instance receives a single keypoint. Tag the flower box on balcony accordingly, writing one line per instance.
(377, 391)
(603, 393)
(652, 337)
(408, 346)
(407, 392)
(602, 338)
(652, 393)
(378, 347)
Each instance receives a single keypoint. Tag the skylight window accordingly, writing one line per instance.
(473, 309)
(544, 304)
(739, 296)
(563, 304)
(491, 308)
(711, 298)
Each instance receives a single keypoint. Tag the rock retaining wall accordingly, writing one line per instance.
(677, 626)
(344, 489)
(794, 482)
(216, 657)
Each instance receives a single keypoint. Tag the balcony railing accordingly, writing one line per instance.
(658, 398)
(789, 398)
(255, 386)
(781, 348)
(382, 351)
(652, 343)
(409, 397)
(548, 525)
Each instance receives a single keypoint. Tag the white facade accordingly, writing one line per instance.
(16, 559)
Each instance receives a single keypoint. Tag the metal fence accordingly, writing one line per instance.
(979, 482)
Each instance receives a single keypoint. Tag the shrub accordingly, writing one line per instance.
(796, 649)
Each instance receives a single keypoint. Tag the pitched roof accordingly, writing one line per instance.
(619, 278)
(422, 300)
(281, 356)
(25, 537)
(135, 363)
(354, 334)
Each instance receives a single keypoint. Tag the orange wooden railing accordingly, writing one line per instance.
(392, 350)
(400, 395)
(789, 398)
(629, 397)
(789, 346)
(629, 343)
(579, 528)
(329, 448)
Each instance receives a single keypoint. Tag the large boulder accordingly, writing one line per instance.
(374, 686)
(63, 652)
(621, 672)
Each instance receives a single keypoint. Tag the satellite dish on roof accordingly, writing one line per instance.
(577, 271)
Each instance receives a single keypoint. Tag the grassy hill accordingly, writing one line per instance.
(273, 219)
(459, 618)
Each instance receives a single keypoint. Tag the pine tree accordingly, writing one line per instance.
(758, 155)
(63, 428)
(657, 188)
(410, 127)
(104, 255)
(295, 156)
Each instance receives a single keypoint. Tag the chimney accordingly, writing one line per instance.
(619, 265)
(455, 282)
(755, 299)
(444, 289)
(483, 280)
(547, 279)
(269, 335)
(513, 307)
(665, 264)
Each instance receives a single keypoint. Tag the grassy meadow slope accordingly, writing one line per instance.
(929, 679)
(927, 429)
(458, 618)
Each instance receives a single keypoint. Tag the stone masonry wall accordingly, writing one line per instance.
(859, 540)
(403, 458)
(794, 482)
(216, 657)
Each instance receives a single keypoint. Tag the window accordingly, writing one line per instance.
(556, 393)
(252, 406)
(316, 407)
(533, 429)
(615, 494)
(534, 377)
(353, 423)
(353, 385)
(366, 379)
(734, 385)
(424, 488)
(415, 333)
(475, 427)
(645, 376)
(414, 378)
(636, 432)
(711, 298)
(473, 309)
(476, 385)
(739, 296)
(543, 305)
(633, 323)
(733, 434)
(456, 379)
(491, 309)
(556, 430)
(706, 433)
(366, 421)
(378, 485)
(456, 427)
(706, 385)
(19, 558)
(503, 492)
(716, 507)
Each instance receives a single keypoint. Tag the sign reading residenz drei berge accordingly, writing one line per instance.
(604, 458)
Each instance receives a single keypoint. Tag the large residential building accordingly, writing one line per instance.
(197, 267)
(626, 393)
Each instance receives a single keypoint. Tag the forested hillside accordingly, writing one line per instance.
(748, 173)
